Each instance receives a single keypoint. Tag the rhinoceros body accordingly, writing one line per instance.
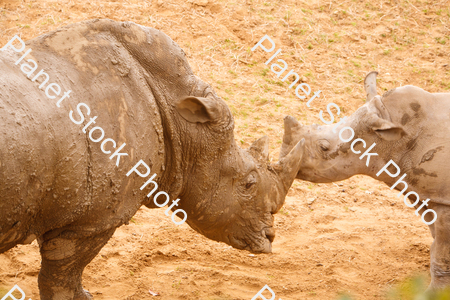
(408, 126)
(62, 185)
(47, 159)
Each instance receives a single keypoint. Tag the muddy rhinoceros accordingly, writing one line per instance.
(59, 185)
(411, 132)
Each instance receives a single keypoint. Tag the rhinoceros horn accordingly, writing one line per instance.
(289, 124)
(288, 166)
(260, 149)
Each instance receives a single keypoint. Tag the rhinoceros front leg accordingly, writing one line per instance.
(440, 248)
(64, 257)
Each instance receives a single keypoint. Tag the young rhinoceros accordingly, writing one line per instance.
(409, 126)
(59, 184)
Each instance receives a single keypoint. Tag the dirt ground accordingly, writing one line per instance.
(353, 236)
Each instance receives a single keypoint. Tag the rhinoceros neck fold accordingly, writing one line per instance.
(187, 146)
(172, 175)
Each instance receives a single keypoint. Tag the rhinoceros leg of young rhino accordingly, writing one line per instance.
(440, 248)
(64, 257)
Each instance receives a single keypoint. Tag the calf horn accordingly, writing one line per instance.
(289, 123)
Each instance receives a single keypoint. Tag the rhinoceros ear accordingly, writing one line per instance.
(198, 109)
(370, 85)
(260, 149)
(386, 129)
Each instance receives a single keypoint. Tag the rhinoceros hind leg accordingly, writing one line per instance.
(440, 248)
(64, 258)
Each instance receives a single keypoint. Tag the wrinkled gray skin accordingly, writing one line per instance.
(59, 187)
(409, 126)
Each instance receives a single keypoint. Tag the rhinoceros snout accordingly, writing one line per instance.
(255, 242)
(265, 245)
(270, 234)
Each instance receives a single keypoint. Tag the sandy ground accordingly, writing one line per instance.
(353, 236)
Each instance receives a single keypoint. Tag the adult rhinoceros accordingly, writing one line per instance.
(58, 186)
(409, 126)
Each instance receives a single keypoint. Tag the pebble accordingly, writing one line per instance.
(310, 200)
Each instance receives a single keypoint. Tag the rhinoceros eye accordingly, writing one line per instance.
(324, 145)
(251, 181)
(246, 186)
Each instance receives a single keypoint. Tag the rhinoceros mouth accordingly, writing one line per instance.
(255, 241)
(262, 241)
(269, 233)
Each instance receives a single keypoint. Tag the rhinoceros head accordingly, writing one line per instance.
(323, 159)
(331, 154)
(230, 194)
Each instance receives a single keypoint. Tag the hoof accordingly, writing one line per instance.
(84, 295)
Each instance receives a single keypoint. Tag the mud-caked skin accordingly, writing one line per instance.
(409, 126)
(58, 187)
